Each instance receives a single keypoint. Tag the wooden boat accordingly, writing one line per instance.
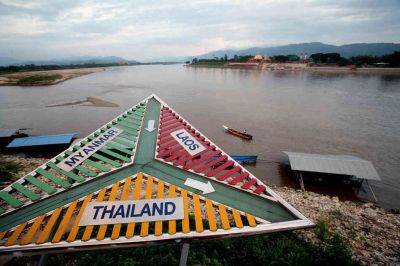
(242, 135)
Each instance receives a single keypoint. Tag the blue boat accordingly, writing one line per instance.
(242, 158)
(44, 140)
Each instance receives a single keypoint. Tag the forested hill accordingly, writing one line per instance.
(74, 60)
(348, 50)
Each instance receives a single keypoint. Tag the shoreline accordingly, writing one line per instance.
(301, 67)
(66, 74)
(371, 231)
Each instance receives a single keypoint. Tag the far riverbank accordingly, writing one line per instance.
(301, 67)
(44, 78)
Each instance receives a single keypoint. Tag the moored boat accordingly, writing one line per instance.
(242, 135)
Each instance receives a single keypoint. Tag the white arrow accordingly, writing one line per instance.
(205, 187)
(150, 126)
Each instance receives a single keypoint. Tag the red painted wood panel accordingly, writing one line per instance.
(205, 158)
(260, 189)
(210, 164)
(239, 178)
(229, 173)
(220, 168)
(249, 183)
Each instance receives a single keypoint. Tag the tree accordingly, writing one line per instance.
(280, 58)
(326, 58)
(393, 59)
(226, 58)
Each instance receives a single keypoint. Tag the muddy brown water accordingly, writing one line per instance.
(334, 113)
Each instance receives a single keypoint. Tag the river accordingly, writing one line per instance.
(333, 113)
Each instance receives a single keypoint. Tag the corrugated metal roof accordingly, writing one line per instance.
(7, 132)
(333, 164)
(41, 140)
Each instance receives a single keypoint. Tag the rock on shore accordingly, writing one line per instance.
(373, 233)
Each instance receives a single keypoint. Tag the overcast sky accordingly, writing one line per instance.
(145, 30)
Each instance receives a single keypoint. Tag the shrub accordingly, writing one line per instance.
(38, 78)
(8, 170)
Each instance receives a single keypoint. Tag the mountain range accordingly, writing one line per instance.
(347, 50)
(74, 60)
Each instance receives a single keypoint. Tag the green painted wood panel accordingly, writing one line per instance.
(43, 186)
(53, 178)
(25, 191)
(10, 199)
(116, 155)
(71, 175)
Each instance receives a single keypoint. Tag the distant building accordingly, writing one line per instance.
(266, 59)
(303, 57)
(258, 58)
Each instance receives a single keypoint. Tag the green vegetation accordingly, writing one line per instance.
(390, 60)
(32, 67)
(273, 249)
(8, 170)
(285, 58)
(38, 78)
(221, 61)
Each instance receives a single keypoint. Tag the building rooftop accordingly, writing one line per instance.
(333, 164)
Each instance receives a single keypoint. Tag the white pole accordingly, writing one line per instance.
(184, 254)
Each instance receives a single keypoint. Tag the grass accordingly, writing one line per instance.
(38, 78)
(8, 170)
(272, 249)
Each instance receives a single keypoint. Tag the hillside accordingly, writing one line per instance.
(75, 60)
(348, 50)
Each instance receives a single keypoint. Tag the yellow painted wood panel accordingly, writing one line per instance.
(14, 236)
(64, 222)
(160, 194)
(172, 223)
(251, 220)
(130, 230)
(185, 222)
(237, 218)
(224, 217)
(124, 196)
(2, 234)
(211, 216)
(75, 226)
(102, 229)
(47, 229)
(197, 213)
(32, 230)
(144, 230)
(89, 228)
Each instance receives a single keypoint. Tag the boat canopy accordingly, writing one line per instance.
(41, 140)
(333, 164)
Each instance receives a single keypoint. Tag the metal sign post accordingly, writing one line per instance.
(184, 254)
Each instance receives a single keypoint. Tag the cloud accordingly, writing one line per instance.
(149, 29)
